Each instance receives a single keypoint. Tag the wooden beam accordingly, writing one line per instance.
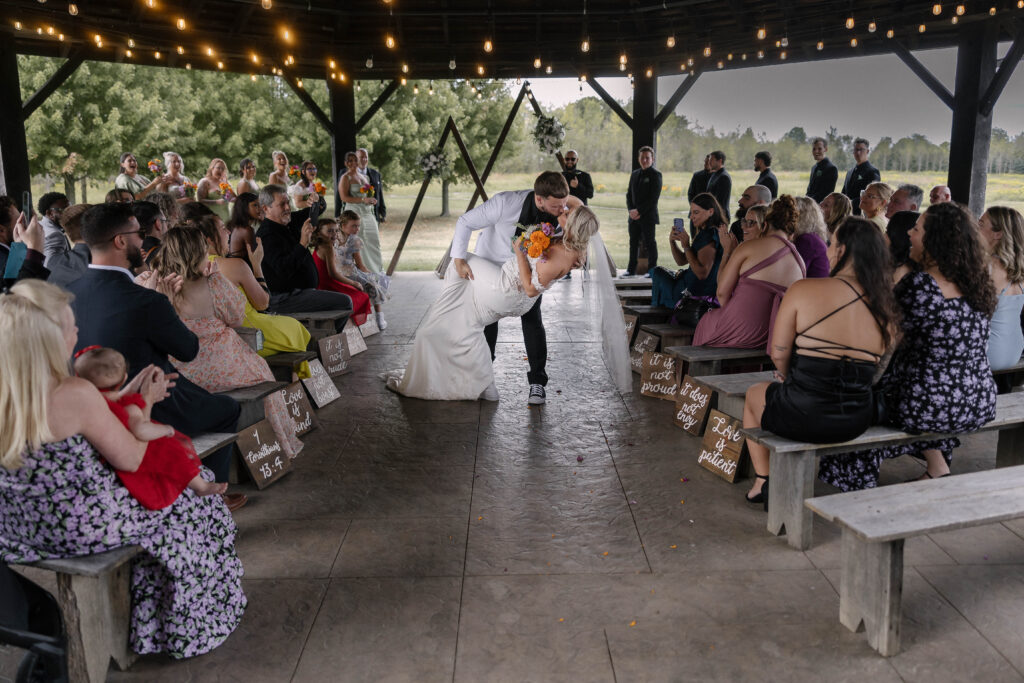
(500, 142)
(14, 169)
(645, 104)
(610, 101)
(304, 97)
(922, 72)
(468, 159)
(675, 99)
(995, 89)
(377, 104)
(62, 74)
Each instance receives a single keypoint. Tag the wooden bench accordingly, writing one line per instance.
(250, 399)
(623, 283)
(284, 365)
(794, 465)
(669, 335)
(731, 390)
(875, 523)
(94, 599)
(322, 320)
(251, 336)
(634, 296)
(709, 360)
(648, 315)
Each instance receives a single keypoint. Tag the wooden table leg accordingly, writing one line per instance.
(871, 591)
(1010, 447)
(791, 483)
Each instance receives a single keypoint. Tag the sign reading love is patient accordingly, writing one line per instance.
(722, 445)
(658, 376)
(692, 404)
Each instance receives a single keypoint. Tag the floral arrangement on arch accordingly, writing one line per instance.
(535, 239)
(549, 133)
(436, 163)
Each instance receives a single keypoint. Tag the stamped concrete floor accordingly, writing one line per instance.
(469, 541)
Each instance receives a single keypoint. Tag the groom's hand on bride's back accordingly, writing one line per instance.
(463, 269)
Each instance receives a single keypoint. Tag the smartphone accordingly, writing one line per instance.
(677, 224)
(26, 204)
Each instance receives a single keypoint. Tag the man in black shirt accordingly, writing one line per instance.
(287, 264)
(642, 201)
(580, 184)
(762, 164)
(720, 182)
(824, 174)
(861, 175)
(755, 195)
(699, 181)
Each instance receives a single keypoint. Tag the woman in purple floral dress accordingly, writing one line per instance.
(59, 496)
(939, 378)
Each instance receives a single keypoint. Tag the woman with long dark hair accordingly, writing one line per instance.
(701, 261)
(938, 379)
(245, 218)
(130, 179)
(898, 232)
(830, 334)
(1002, 230)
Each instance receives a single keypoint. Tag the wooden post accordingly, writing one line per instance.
(15, 178)
(871, 589)
(498, 145)
(972, 130)
(343, 130)
(69, 67)
(645, 105)
(792, 482)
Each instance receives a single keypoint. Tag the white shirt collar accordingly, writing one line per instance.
(127, 272)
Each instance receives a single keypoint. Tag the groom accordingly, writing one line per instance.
(497, 218)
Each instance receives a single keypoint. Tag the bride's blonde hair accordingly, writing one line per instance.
(579, 228)
(34, 358)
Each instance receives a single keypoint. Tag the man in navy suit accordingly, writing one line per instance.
(111, 310)
(380, 212)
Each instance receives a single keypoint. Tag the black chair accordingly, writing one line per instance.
(30, 619)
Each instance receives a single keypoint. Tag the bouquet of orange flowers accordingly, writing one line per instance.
(226, 191)
(187, 189)
(367, 190)
(293, 172)
(535, 239)
(319, 188)
(155, 166)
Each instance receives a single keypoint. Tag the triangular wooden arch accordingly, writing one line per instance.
(450, 128)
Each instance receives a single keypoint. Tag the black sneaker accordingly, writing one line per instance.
(537, 396)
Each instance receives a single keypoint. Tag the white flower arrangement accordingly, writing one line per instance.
(436, 163)
(549, 134)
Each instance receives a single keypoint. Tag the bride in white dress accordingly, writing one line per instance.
(450, 358)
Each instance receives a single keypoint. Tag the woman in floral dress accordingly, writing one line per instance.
(59, 497)
(210, 305)
(939, 378)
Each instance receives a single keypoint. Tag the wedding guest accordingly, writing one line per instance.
(699, 180)
(13, 229)
(898, 233)
(762, 164)
(861, 175)
(752, 223)
(50, 206)
(58, 499)
(325, 234)
(174, 180)
(755, 195)
(752, 284)
(701, 261)
(873, 201)
(129, 178)
(118, 196)
(719, 182)
(247, 182)
(939, 378)
(642, 196)
(380, 212)
(939, 195)
(829, 336)
(170, 206)
(824, 174)
(1002, 232)
(279, 176)
(289, 268)
(209, 305)
(359, 196)
(67, 267)
(907, 197)
(303, 192)
(245, 219)
(348, 253)
(580, 184)
(209, 192)
(153, 225)
(836, 207)
(113, 311)
(810, 237)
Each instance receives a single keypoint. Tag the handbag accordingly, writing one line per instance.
(690, 309)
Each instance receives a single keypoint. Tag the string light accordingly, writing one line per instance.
(181, 24)
(181, 50)
(60, 37)
(298, 81)
(209, 51)
(585, 45)
(955, 20)
(331, 64)
(17, 26)
(128, 53)
(960, 9)
(849, 22)
(821, 46)
(480, 69)
(872, 27)
(729, 56)
(890, 33)
(488, 45)
(649, 73)
(760, 54)
(761, 33)
(369, 62)
(255, 58)
(689, 62)
(670, 41)
(451, 64)
(415, 90)
(472, 87)
(536, 63)
(286, 34)
(707, 51)
(150, 4)
(72, 9)
(252, 77)
(188, 66)
(157, 54)
(785, 41)
(131, 43)
(622, 58)
(39, 30)
(782, 55)
(721, 64)
(99, 43)
(430, 90)
(405, 68)
(922, 28)
(266, 4)
(853, 42)
(389, 41)
(936, 9)
(403, 81)
(992, 11)
(548, 69)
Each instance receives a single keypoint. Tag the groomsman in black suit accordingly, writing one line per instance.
(642, 201)
(111, 310)
(824, 174)
(720, 182)
(580, 184)
(380, 212)
(763, 165)
(860, 176)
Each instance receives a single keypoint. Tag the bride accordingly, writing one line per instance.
(450, 358)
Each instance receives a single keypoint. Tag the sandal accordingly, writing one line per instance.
(759, 497)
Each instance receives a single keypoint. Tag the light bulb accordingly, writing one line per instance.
(670, 41)
(157, 54)
(298, 81)
(936, 9)
(488, 45)
(960, 9)
(480, 69)
(18, 26)
(585, 45)
(451, 64)
(922, 28)
(389, 41)
(220, 65)
(622, 67)
(853, 42)
(649, 73)
(72, 9)
(821, 46)
(252, 77)
(99, 43)
(131, 43)
(286, 34)
(405, 68)
(707, 51)
(127, 53)
(536, 63)
(151, 3)
(415, 90)
(729, 56)
(778, 43)
(188, 66)
(181, 24)
(331, 63)
(992, 11)
(721, 64)
(479, 95)
(761, 33)
(955, 20)
(547, 69)
(209, 51)
(622, 58)
(760, 54)
(255, 58)
(783, 55)
(369, 62)
(872, 27)
(890, 33)
(181, 50)
(743, 56)
(689, 62)
(785, 41)
(266, 4)
(60, 37)
(849, 22)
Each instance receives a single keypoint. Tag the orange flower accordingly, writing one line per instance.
(542, 239)
(535, 250)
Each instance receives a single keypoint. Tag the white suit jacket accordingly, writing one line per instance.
(497, 217)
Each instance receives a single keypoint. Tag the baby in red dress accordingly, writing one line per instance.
(170, 463)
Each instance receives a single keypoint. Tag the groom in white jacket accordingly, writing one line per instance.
(497, 218)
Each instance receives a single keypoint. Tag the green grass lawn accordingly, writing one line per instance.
(431, 233)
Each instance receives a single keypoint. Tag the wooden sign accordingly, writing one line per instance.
(354, 339)
(692, 403)
(262, 454)
(334, 354)
(320, 385)
(722, 446)
(299, 410)
(658, 376)
(631, 327)
(645, 341)
(369, 328)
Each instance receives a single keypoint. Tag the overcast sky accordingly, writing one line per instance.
(867, 96)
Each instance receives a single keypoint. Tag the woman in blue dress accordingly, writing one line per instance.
(699, 277)
(1002, 230)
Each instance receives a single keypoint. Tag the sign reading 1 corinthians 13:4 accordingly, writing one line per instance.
(262, 454)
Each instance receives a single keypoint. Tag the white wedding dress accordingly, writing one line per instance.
(450, 357)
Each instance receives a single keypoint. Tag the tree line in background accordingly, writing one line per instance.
(104, 109)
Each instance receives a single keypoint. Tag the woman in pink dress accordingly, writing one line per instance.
(751, 286)
(210, 306)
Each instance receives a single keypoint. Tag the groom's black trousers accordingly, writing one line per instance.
(536, 343)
